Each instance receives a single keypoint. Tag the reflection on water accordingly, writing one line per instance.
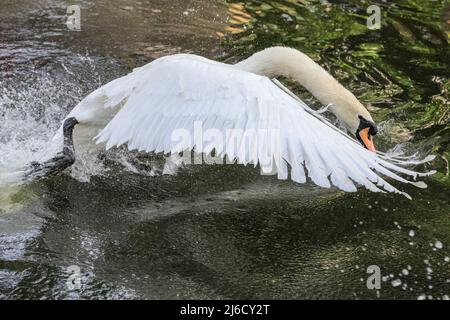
(222, 232)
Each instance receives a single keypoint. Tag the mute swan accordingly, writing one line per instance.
(145, 107)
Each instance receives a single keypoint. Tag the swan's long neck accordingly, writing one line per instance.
(281, 61)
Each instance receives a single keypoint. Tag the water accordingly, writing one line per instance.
(221, 232)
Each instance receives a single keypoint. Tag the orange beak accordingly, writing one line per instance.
(367, 139)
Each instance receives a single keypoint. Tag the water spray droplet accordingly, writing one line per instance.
(396, 282)
(438, 244)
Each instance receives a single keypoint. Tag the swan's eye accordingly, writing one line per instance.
(373, 129)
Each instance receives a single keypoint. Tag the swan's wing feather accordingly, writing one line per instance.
(182, 102)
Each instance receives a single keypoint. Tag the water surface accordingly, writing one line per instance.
(222, 231)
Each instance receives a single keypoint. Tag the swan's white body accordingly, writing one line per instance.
(145, 107)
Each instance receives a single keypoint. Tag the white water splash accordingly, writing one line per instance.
(32, 107)
(26, 125)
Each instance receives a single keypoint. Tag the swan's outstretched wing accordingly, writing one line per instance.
(183, 102)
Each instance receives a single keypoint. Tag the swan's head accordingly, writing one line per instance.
(365, 132)
(354, 116)
(360, 123)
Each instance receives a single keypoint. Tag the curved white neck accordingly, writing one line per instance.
(281, 61)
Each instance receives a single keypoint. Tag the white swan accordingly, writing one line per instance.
(144, 108)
